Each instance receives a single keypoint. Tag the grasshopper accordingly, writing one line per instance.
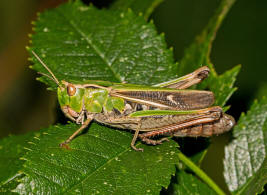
(164, 109)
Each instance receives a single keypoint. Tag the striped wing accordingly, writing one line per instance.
(168, 99)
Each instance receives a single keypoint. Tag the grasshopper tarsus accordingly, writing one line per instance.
(137, 149)
(64, 145)
(153, 142)
(163, 140)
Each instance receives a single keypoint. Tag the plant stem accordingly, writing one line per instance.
(201, 174)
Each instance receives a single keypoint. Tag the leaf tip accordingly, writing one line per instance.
(31, 143)
(23, 158)
(27, 48)
(237, 69)
(239, 66)
(49, 89)
(37, 138)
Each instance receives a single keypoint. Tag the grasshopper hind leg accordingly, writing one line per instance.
(213, 115)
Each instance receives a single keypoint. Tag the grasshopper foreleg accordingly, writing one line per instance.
(84, 125)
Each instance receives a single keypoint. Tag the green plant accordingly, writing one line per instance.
(80, 42)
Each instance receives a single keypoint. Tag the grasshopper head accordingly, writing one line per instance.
(69, 95)
(70, 98)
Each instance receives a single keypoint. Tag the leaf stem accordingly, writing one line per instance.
(200, 173)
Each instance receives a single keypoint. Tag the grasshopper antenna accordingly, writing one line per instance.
(53, 76)
(48, 76)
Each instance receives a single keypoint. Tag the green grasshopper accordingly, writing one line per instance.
(164, 109)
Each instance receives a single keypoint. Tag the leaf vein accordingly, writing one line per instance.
(65, 167)
(48, 179)
(89, 41)
(89, 152)
(86, 177)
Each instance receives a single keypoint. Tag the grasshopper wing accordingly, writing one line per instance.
(164, 98)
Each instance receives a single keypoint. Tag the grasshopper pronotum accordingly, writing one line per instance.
(163, 109)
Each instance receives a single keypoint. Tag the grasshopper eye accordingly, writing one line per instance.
(71, 89)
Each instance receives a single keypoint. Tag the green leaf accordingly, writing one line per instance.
(198, 54)
(245, 161)
(99, 161)
(80, 43)
(138, 6)
(11, 149)
(222, 85)
(257, 183)
(188, 184)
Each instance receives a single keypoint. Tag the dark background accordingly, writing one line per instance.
(25, 104)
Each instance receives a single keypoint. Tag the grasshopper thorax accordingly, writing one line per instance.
(75, 99)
